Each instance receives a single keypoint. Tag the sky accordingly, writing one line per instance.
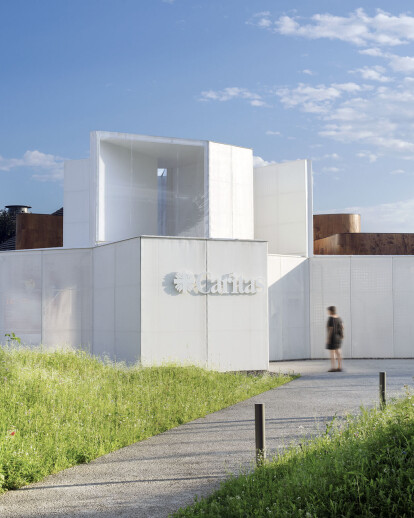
(331, 81)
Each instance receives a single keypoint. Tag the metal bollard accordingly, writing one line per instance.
(259, 423)
(382, 387)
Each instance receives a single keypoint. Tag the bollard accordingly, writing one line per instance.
(382, 387)
(259, 423)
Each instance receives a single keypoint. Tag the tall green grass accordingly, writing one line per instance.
(363, 469)
(64, 408)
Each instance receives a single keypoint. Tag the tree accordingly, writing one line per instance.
(7, 225)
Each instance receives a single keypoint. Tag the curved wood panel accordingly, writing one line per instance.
(325, 225)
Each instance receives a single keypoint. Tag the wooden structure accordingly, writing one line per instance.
(325, 225)
(340, 234)
(365, 244)
(38, 231)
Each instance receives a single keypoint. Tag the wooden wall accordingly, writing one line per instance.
(365, 244)
(325, 225)
(38, 231)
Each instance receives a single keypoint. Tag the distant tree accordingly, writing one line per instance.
(7, 226)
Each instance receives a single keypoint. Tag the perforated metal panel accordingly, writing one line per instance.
(288, 307)
(329, 286)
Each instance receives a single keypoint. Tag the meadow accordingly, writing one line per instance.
(361, 468)
(58, 409)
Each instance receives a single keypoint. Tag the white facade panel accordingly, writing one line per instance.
(129, 192)
(128, 300)
(403, 297)
(117, 300)
(243, 205)
(67, 298)
(76, 221)
(21, 295)
(283, 207)
(372, 307)
(230, 181)
(288, 307)
(238, 323)
(330, 285)
(173, 325)
(104, 301)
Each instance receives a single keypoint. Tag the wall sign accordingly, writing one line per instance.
(227, 284)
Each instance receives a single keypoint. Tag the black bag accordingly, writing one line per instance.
(339, 328)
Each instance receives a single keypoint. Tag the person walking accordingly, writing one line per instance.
(335, 334)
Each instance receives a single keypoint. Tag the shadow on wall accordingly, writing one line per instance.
(289, 310)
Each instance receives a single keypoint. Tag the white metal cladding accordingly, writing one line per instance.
(225, 332)
(374, 296)
(67, 298)
(45, 296)
(93, 298)
(117, 300)
(288, 281)
(283, 207)
(238, 329)
(136, 185)
(330, 285)
(230, 187)
(173, 325)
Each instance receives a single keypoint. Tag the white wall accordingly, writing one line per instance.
(283, 207)
(374, 296)
(186, 201)
(227, 332)
(76, 203)
(117, 300)
(67, 298)
(45, 296)
(173, 325)
(288, 281)
(230, 185)
(128, 193)
(238, 327)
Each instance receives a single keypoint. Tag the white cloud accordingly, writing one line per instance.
(329, 156)
(389, 217)
(404, 64)
(379, 117)
(374, 73)
(259, 162)
(230, 93)
(47, 167)
(367, 154)
(307, 72)
(270, 132)
(315, 99)
(397, 171)
(330, 169)
(374, 52)
(358, 28)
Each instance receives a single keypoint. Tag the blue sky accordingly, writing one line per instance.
(327, 80)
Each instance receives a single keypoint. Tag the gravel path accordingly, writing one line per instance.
(157, 476)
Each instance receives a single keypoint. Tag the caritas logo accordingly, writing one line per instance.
(208, 284)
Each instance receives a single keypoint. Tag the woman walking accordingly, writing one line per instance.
(335, 334)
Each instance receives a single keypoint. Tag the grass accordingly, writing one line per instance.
(363, 469)
(63, 408)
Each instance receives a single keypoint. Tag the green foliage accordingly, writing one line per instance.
(7, 226)
(364, 468)
(64, 408)
(12, 338)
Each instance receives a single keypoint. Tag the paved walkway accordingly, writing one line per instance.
(155, 477)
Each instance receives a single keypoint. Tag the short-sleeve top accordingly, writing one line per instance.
(334, 322)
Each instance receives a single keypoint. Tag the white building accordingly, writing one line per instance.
(176, 250)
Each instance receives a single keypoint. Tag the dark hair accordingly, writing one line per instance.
(332, 309)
